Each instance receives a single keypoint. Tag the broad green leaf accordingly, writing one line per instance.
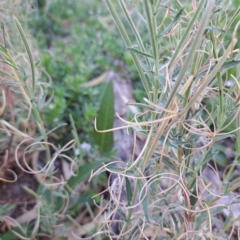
(105, 119)
(193, 199)
(221, 159)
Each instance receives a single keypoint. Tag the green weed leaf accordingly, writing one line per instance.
(224, 67)
(84, 172)
(129, 191)
(105, 119)
(144, 201)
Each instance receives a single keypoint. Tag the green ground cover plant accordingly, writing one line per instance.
(63, 32)
(187, 57)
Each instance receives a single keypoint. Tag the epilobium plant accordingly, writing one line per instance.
(183, 62)
(24, 138)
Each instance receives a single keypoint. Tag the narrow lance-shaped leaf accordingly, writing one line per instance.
(8, 63)
(216, 29)
(144, 200)
(28, 51)
(105, 119)
(139, 52)
(129, 191)
(7, 74)
(173, 23)
(224, 67)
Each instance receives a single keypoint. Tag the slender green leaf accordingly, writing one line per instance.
(138, 13)
(8, 63)
(5, 208)
(11, 236)
(129, 191)
(186, 34)
(218, 138)
(179, 143)
(193, 199)
(139, 52)
(216, 210)
(173, 23)
(7, 74)
(144, 200)
(75, 134)
(178, 95)
(224, 67)
(209, 157)
(28, 51)
(216, 29)
(142, 105)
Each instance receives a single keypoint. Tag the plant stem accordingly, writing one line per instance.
(128, 43)
(194, 47)
(127, 222)
(185, 36)
(220, 83)
(134, 29)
